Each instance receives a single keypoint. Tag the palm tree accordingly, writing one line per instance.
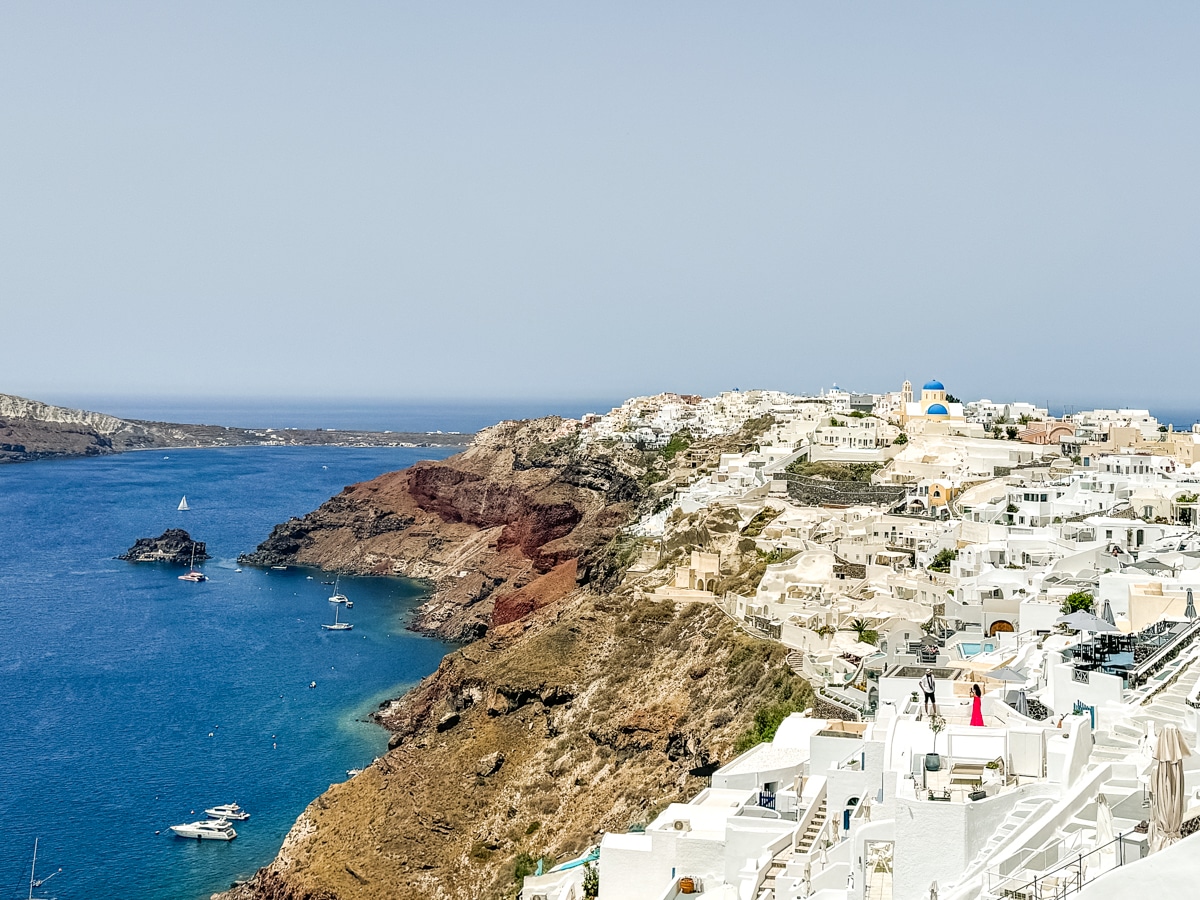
(866, 634)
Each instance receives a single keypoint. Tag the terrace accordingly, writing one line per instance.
(1135, 658)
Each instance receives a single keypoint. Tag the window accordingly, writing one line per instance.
(1108, 534)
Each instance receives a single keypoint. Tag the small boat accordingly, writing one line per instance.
(336, 626)
(350, 773)
(279, 568)
(206, 830)
(183, 507)
(193, 574)
(230, 811)
(34, 881)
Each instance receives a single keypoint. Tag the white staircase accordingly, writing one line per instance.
(1023, 813)
(779, 864)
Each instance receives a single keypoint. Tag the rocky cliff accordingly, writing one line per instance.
(589, 715)
(580, 707)
(513, 523)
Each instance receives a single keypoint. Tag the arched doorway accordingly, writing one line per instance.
(998, 626)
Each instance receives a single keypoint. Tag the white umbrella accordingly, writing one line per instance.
(1166, 785)
(1105, 832)
(1085, 621)
(1022, 703)
(1107, 614)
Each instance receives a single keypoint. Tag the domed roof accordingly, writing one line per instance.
(937, 409)
(933, 386)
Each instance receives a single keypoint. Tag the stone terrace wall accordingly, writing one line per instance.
(815, 491)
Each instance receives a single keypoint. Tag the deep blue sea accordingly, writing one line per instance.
(129, 698)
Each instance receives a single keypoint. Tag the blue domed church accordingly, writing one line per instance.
(932, 407)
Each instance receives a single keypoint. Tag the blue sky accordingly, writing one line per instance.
(426, 201)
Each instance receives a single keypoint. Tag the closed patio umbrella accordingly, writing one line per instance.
(1166, 784)
(1190, 612)
(1106, 614)
(1022, 704)
(1105, 832)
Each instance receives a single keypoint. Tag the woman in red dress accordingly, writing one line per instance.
(976, 705)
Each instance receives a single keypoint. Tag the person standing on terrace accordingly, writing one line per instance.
(976, 705)
(929, 689)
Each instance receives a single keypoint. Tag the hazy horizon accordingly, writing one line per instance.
(528, 200)
(467, 414)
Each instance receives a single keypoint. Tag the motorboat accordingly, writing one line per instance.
(207, 830)
(229, 811)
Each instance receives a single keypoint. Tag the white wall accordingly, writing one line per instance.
(1099, 690)
(1169, 873)
(628, 870)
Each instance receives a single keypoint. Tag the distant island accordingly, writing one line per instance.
(31, 430)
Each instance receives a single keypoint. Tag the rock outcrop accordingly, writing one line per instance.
(173, 546)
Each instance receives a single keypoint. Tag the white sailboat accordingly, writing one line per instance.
(336, 626)
(183, 507)
(193, 574)
(34, 882)
(339, 597)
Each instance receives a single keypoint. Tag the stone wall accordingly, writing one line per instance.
(816, 491)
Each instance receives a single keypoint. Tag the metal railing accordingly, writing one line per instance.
(1065, 878)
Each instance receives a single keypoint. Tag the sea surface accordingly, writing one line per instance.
(129, 698)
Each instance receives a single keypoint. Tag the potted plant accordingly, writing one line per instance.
(933, 762)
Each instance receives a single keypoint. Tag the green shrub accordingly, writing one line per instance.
(1080, 600)
(941, 562)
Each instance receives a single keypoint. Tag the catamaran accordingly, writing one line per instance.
(336, 626)
(193, 574)
(340, 597)
(183, 507)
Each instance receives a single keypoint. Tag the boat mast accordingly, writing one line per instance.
(33, 868)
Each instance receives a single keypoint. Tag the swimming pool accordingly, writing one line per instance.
(970, 648)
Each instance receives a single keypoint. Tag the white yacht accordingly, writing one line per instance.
(229, 811)
(339, 597)
(208, 830)
(336, 625)
(193, 574)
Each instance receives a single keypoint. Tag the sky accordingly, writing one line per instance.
(534, 200)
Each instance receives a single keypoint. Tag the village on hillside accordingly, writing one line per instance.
(995, 610)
